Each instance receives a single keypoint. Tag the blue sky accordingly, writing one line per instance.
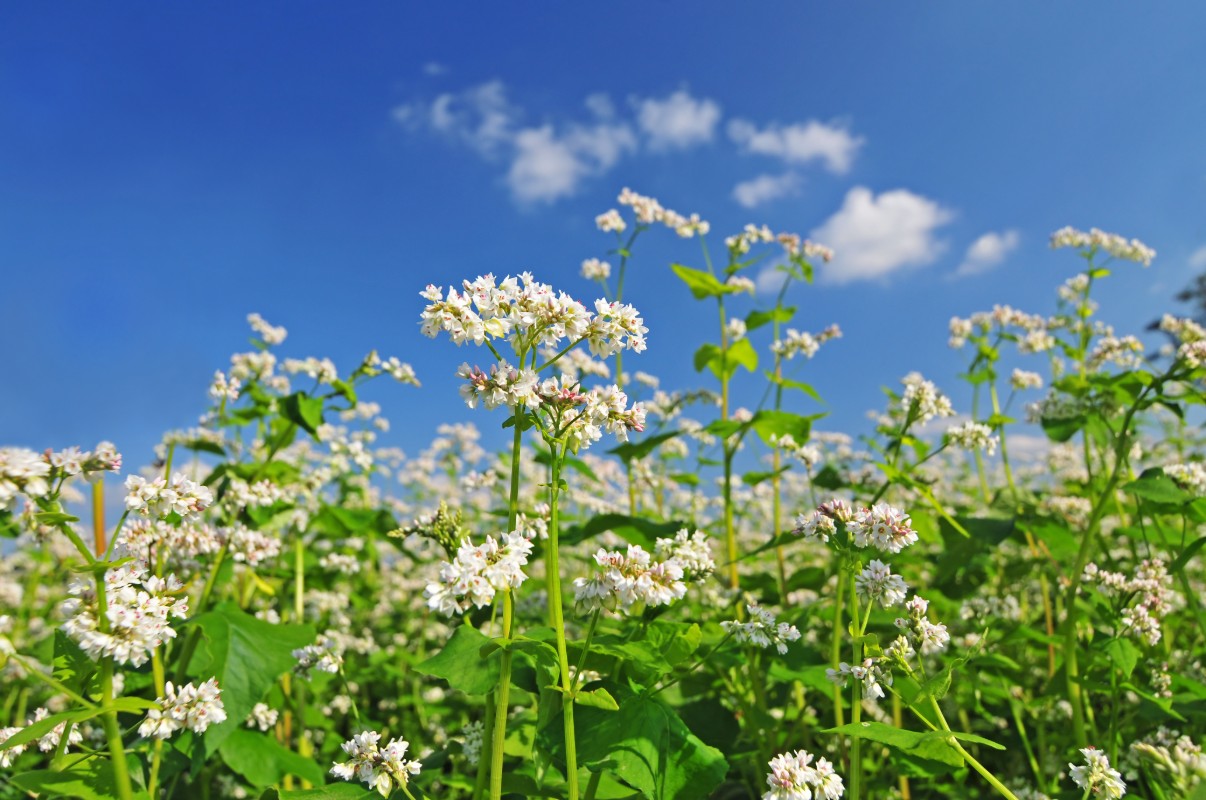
(167, 168)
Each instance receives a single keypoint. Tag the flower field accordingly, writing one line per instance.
(651, 592)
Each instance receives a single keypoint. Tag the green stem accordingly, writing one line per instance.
(557, 616)
(117, 750)
(856, 705)
(972, 762)
(835, 652)
(501, 704)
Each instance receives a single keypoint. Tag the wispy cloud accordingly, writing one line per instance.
(481, 117)
(876, 235)
(677, 121)
(548, 166)
(765, 188)
(1197, 259)
(434, 68)
(799, 143)
(987, 252)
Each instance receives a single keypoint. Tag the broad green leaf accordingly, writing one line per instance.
(303, 411)
(633, 450)
(756, 319)
(636, 530)
(1124, 655)
(72, 667)
(246, 655)
(37, 730)
(1188, 553)
(743, 354)
(461, 664)
(702, 284)
(1063, 429)
(263, 761)
(769, 423)
(1157, 487)
(931, 745)
(788, 383)
(597, 698)
(647, 746)
(334, 791)
(90, 779)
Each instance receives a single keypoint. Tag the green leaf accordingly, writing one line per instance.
(335, 791)
(768, 423)
(931, 745)
(1124, 655)
(788, 383)
(1188, 553)
(302, 410)
(742, 353)
(1157, 487)
(634, 450)
(90, 779)
(646, 745)
(702, 284)
(460, 663)
(246, 655)
(636, 530)
(263, 761)
(756, 319)
(37, 730)
(705, 356)
(1063, 429)
(72, 667)
(597, 698)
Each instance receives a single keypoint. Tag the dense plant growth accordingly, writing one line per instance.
(674, 598)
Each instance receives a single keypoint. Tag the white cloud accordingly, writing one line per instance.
(548, 166)
(1028, 448)
(875, 235)
(1197, 259)
(987, 252)
(434, 68)
(765, 188)
(600, 105)
(799, 143)
(677, 121)
(481, 117)
(769, 280)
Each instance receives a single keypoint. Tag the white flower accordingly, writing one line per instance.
(138, 608)
(191, 707)
(477, 572)
(882, 526)
(972, 436)
(793, 777)
(762, 629)
(1112, 243)
(381, 768)
(263, 717)
(626, 578)
(876, 582)
(1096, 776)
(271, 334)
(594, 269)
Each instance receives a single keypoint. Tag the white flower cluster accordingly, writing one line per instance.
(1193, 353)
(1148, 595)
(191, 707)
(792, 243)
(795, 343)
(325, 655)
(398, 370)
(474, 734)
(594, 269)
(223, 388)
(922, 401)
(821, 522)
(871, 674)
(928, 637)
(1172, 753)
(762, 629)
(158, 498)
(1096, 776)
(1191, 476)
(48, 742)
(1125, 351)
(876, 582)
(972, 436)
(1112, 243)
(25, 472)
(691, 551)
(531, 315)
(735, 329)
(138, 608)
(582, 415)
(738, 284)
(322, 370)
(262, 716)
(625, 578)
(881, 526)
(1024, 379)
(270, 334)
(793, 777)
(381, 768)
(477, 572)
(648, 211)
